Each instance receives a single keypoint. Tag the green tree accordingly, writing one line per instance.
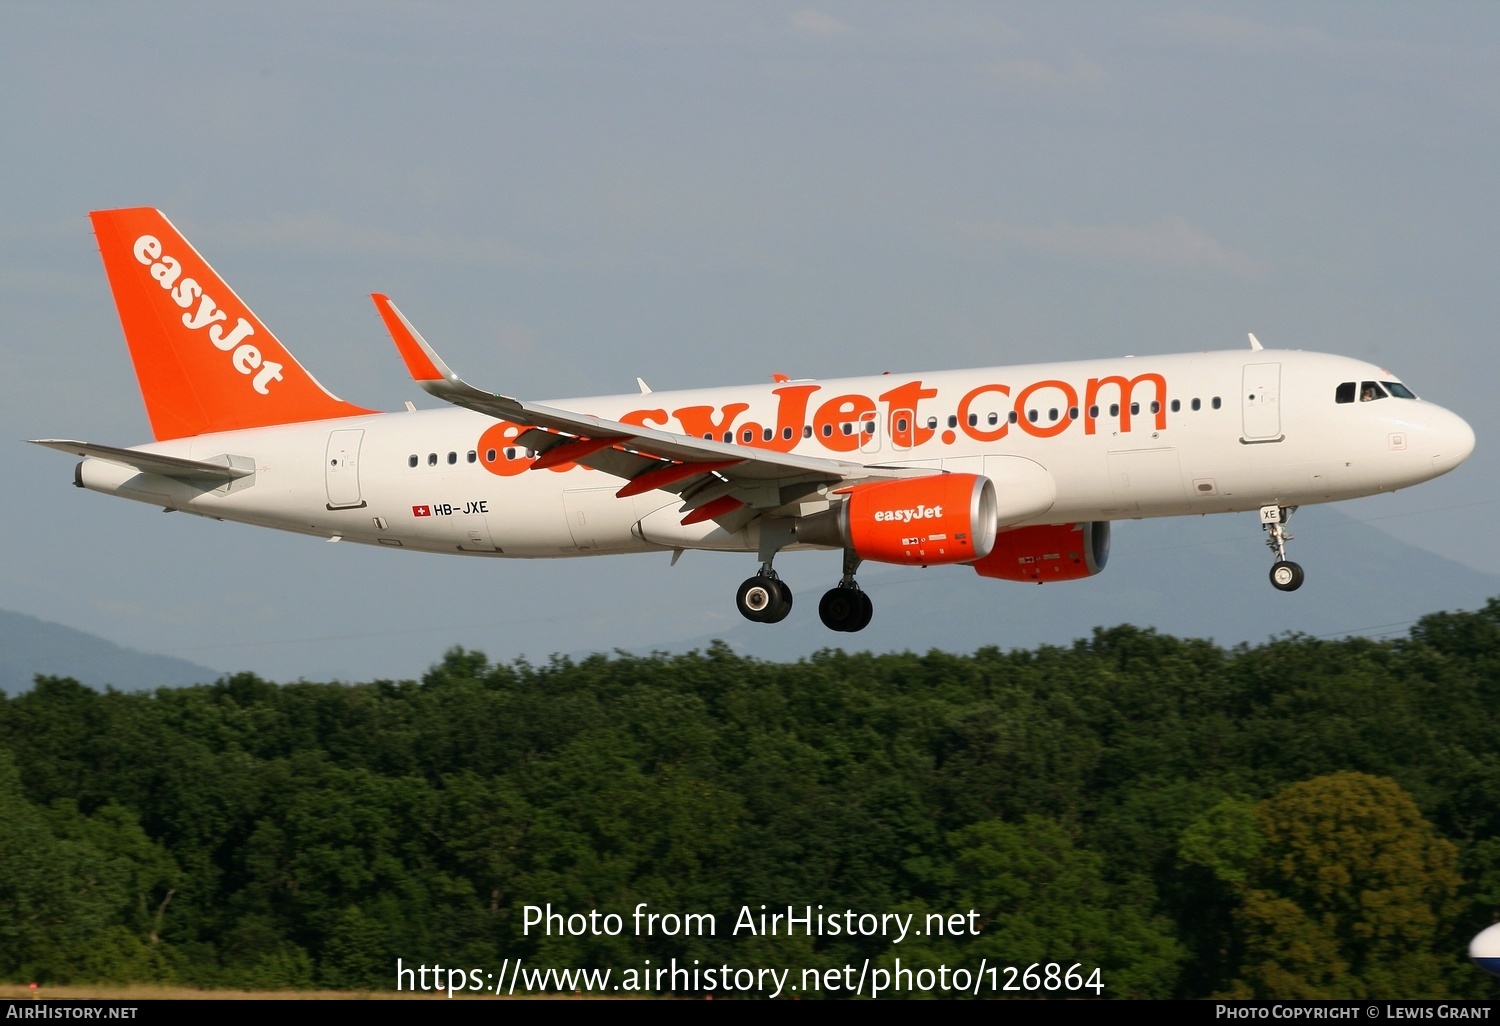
(1040, 895)
(1347, 895)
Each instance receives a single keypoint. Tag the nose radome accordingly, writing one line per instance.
(1452, 441)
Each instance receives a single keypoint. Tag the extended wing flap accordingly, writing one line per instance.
(153, 463)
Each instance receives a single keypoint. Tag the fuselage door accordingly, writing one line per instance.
(1148, 481)
(341, 468)
(598, 520)
(1261, 395)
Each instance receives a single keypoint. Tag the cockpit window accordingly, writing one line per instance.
(1370, 391)
(1345, 393)
(1398, 390)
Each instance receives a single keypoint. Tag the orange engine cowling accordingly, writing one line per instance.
(923, 521)
(1056, 552)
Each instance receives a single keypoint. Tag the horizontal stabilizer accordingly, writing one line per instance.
(152, 463)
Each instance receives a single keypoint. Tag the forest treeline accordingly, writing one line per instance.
(1302, 818)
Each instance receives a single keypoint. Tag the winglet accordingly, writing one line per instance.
(422, 362)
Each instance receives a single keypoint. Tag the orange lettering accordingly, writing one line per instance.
(499, 438)
(1091, 399)
(901, 402)
(699, 422)
(834, 415)
(645, 418)
(1054, 427)
(791, 413)
(973, 430)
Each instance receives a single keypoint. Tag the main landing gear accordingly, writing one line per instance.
(844, 607)
(1285, 575)
(765, 598)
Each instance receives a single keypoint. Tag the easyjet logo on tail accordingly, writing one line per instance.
(186, 292)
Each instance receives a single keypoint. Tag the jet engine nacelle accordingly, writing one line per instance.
(1055, 552)
(922, 521)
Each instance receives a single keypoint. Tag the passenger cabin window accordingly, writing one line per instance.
(432, 459)
(473, 456)
(412, 461)
(1217, 402)
(1197, 405)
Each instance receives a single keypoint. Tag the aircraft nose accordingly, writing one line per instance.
(1452, 440)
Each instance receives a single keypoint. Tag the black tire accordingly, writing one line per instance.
(838, 608)
(1286, 576)
(783, 606)
(866, 613)
(758, 598)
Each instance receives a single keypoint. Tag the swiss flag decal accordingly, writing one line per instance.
(421, 511)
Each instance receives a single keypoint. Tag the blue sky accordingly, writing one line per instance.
(565, 196)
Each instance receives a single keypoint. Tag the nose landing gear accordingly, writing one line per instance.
(1285, 575)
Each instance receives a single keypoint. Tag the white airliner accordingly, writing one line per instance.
(1015, 471)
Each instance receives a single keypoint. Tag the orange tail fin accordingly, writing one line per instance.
(204, 361)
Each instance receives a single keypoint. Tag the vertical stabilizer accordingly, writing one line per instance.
(204, 361)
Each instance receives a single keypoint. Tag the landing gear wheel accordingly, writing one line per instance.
(1286, 576)
(845, 609)
(764, 599)
(866, 613)
(784, 606)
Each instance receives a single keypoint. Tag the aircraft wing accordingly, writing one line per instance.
(152, 463)
(718, 480)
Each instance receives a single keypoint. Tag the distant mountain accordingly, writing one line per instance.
(29, 646)
(1202, 577)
